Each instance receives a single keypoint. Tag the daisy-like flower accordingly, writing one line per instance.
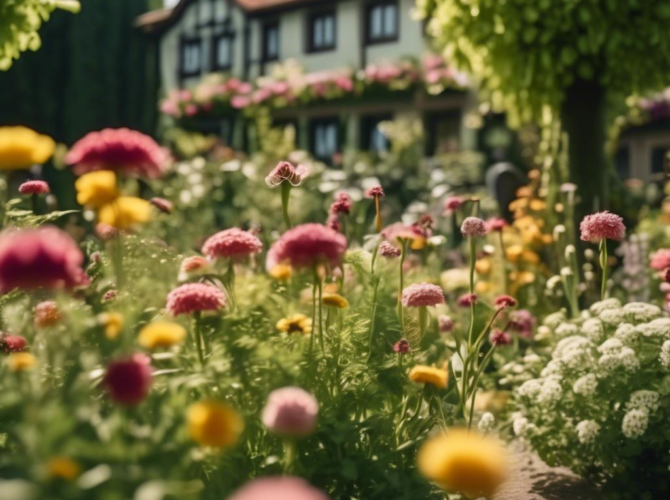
(495, 224)
(291, 411)
(466, 300)
(128, 380)
(165, 206)
(161, 334)
(13, 343)
(452, 204)
(430, 375)
(195, 297)
(308, 245)
(296, 323)
(34, 187)
(286, 172)
(46, 314)
(374, 192)
(278, 488)
(473, 227)
(334, 300)
(602, 226)
(504, 301)
(500, 338)
(401, 347)
(231, 243)
(213, 424)
(21, 148)
(388, 251)
(422, 295)
(96, 189)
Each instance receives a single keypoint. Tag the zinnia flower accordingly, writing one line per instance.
(308, 245)
(120, 150)
(125, 212)
(46, 314)
(39, 258)
(660, 259)
(465, 462)
(500, 338)
(473, 227)
(401, 347)
(602, 226)
(213, 424)
(291, 411)
(194, 297)
(13, 343)
(161, 334)
(495, 224)
(504, 301)
(389, 251)
(422, 295)
(21, 148)
(34, 187)
(231, 243)
(374, 192)
(128, 380)
(96, 189)
(165, 206)
(285, 171)
(430, 375)
(467, 300)
(278, 488)
(21, 361)
(297, 323)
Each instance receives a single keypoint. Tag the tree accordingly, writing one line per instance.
(547, 60)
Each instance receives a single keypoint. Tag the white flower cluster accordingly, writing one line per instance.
(587, 431)
(664, 357)
(586, 385)
(635, 423)
(486, 422)
(644, 400)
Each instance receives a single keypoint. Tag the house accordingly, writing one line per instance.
(354, 55)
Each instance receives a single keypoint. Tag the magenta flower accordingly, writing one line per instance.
(285, 171)
(40, 258)
(473, 227)
(500, 338)
(278, 488)
(13, 343)
(602, 226)
(341, 205)
(522, 322)
(109, 295)
(452, 204)
(34, 187)
(445, 323)
(374, 192)
(401, 347)
(195, 297)
(389, 251)
(120, 150)
(495, 224)
(333, 222)
(231, 243)
(291, 411)
(504, 301)
(660, 259)
(308, 245)
(128, 380)
(165, 206)
(422, 295)
(467, 300)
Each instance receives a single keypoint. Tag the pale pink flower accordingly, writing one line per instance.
(400, 231)
(445, 323)
(602, 226)
(278, 488)
(165, 206)
(291, 411)
(473, 227)
(504, 301)
(495, 224)
(467, 300)
(308, 245)
(191, 264)
(452, 204)
(195, 297)
(660, 259)
(240, 101)
(389, 251)
(374, 192)
(500, 338)
(13, 343)
(34, 187)
(231, 243)
(285, 171)
(40, 258)
(46, 314)
(422, 295)
(128, 380)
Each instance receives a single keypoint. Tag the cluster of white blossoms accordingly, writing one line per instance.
(487, 422)
(587, 431)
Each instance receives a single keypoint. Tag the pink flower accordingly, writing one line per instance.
(504, 301)
(452, 204)
(660, 259)
(495, 224)
(473, 227)
(500, 338)
(400, 231)
(231, 243)
(341, 205)
(467, 300)
(445, 323)
(105, 231)
(401, 347)
(46, 314)
(285, 171)
(195, 263)
(333, 222)
(389, 251)
(278, 488)
(421, 295)
(194, 297)
(120, 150)
(291, 411)
(128, 380)
(308, 245)
(40, 258)
(240, 101)
(13, 343)
(109, 295)
(34, 187)
(522, 322)
(601, 226)
(374, 192)
(165, 206)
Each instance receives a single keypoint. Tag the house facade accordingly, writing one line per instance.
(246, 39)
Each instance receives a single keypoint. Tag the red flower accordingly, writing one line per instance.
(505, 301)
(128, 380)
(375, 192)
(34, 187)
(495, 224)
(401, 347)
(500, 338)
(285, 171)
(13, 343)
(341, 205)
(467, 300)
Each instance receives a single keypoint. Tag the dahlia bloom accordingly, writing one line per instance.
(120, 150)
(96, 189)
(13, 343)
(308, 245)
(495, 224)
(165, 206)
(278, 488)
(500, 338)
(213, 424)
(21, 148)
(452, 204)
(161, 334)
(125, 212)
(34, 187)
(341, 205)
(466, 300)
(39, 258)
(473, 227)
(389, 251)
(430, 375)
(46, 314)
(194, 297)
(374, 192)
(504, 301)
(602, 226)
(445, 323)
(128, 380)
(291, 411)
(231, 243)
(401, 347)
(285, 171)
(660, 259)
(422, 295)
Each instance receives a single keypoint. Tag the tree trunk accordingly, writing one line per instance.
(583, 120)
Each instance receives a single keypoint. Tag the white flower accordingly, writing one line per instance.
(629, 359)
(553, 282)
(610, 346)
(566, 330)
(586, 385)
(593, 329)
(641, 312)
(664, 357)
(521, 426)
(554, 320)
(657, 328)
(609, 362)
(644, 400)
(486, 422)
(627, 334)
(612, 317)
(597, 308)
(566, 272)
(587, 431)
(635, 423)
(530, 388)
(550, 393)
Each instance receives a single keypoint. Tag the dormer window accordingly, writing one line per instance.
(321, 31)
(222, 53)
(270, 41)
(190, 57)
(382, 21)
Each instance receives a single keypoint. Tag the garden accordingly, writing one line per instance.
(180, 319)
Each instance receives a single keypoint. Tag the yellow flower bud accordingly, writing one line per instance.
(213, 424)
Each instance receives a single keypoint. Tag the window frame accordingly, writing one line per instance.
(312, 17)
(215, 66)
(267, 25)
(367, 124)
(369, 7)
(185, 42)
(314, 123)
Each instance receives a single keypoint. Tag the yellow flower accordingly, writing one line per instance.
(530, 257)
(483, 287)
(465, 462)
(213, 424)
(537, 205)
(524, 278)
(335, 300)
(513, 252)
(161, 334)
(281, 272)
(21, 148)
(96, 189)
(296, 323)
(483, 266)
(63, 468)
(125, 212)
(21, 361)
(113, 323)
(430, 375)
(418, 243)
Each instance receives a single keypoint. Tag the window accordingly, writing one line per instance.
(325, 138)
(372, 138)
(622, 162)
(271, 41)
(223, 52)
(321, 32)
(659, 159)
(444, 133)
(191, 57)
(382, 21)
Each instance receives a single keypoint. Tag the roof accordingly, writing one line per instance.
(156, 21)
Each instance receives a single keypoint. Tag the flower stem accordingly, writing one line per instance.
(604, 266)
(423, 320)
(401, 281)
(378, 217)
(375, 288)
(289, 455)
(285, 195)
(199, 340)
(314, 290)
